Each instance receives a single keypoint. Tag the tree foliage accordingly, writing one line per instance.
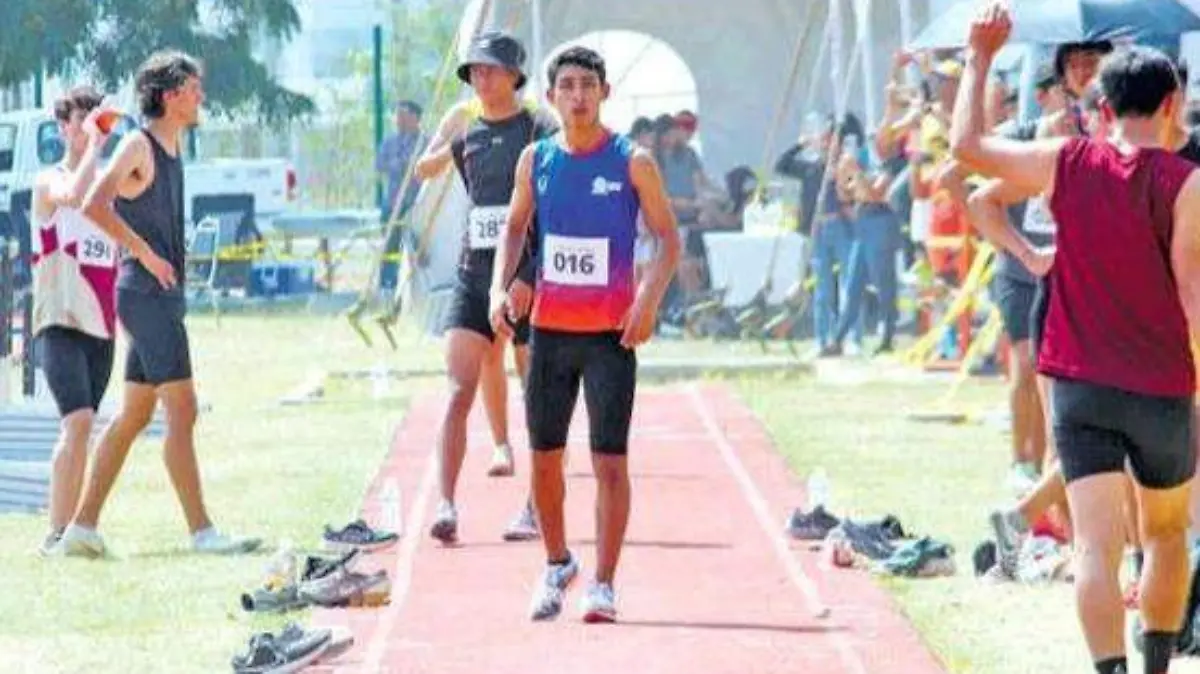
(111, 38)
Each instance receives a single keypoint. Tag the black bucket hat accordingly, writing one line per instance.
(498, 49)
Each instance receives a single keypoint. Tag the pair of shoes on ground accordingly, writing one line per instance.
(597, 606)
(524, 526)
(291, 650)
(81, 541)
(329, 582)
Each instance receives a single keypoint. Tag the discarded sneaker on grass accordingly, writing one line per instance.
(344, 588)
(811, 526)
(358, 535)
(874, 540)
(290, 651)
(922, 558)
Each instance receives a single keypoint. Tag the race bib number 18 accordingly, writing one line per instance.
(485, 224)
(575, 261)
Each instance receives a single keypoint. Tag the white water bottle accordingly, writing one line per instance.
(379, 381)
(818, 489)
(390, 505)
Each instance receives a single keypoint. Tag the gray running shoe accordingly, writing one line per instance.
(291, 651)
(551, 587)
(524, 527)
(1009, 528)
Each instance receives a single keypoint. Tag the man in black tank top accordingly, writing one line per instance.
(484, 146)
(138, 200)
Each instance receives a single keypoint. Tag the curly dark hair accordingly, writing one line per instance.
(163, 72)
(84, 98)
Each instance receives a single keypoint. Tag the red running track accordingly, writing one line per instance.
(708, 583)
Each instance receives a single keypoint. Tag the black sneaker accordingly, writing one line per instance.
(358, 535)
(293, 650)
(812, 526)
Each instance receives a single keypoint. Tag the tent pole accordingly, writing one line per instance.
(863, 8)
(835, 50)
(535, 20)
(906, 36)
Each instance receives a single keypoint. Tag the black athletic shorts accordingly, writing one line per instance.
(1014, 297)
(469, 311)
(77, 368)
(1037, 314)
(557, 363)
(159, 352)
(1096, 428)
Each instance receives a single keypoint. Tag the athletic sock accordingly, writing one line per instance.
(1113, 666)
(1160, 646)
(560, 562)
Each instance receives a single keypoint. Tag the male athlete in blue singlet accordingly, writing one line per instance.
(587, 185)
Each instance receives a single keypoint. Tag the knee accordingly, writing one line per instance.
(181, 416)
(76, 429)
(1166, 531)
(547, 464)
(133, 420)
(1024, 376)
(611, 471)
(462, 396)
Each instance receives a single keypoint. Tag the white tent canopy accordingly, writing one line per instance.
(739, 52)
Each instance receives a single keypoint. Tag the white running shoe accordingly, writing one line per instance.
(524, 527)
(445, 524)
(551, 588)
(212, 542)
(79, 541)
(502, 462)
(599, 605)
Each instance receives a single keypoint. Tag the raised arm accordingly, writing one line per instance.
(132, 155)
(54, 189)
(1025, 165)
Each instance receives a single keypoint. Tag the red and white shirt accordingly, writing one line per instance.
(74, 275)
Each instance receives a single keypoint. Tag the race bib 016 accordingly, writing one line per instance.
(484, 225)
(575, 261)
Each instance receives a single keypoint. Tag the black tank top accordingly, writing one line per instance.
(486, 158)
(156, 215)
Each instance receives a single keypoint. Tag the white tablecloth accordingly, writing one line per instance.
(738, 261)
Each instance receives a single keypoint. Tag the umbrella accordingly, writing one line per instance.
(1062, 21)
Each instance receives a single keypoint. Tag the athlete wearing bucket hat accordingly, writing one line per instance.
(483, 138)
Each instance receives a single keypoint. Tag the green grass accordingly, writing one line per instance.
(282, 472)
(279, 472)
(940, 480)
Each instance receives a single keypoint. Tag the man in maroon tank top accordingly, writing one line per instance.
(1126, 304)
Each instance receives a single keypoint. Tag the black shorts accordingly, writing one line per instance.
(1096, 428)
(557, 363)
(1037, 314)
(1014, 298)
(77, 368)
(159, 352)
(469, 311)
